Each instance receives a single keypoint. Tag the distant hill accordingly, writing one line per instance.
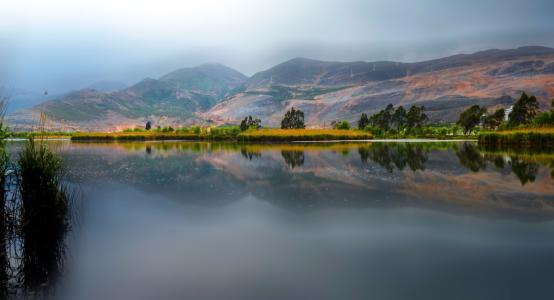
(107, 86)
(330, 91)
(173, 98)
(325, 91)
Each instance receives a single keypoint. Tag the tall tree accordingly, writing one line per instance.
(148, 125)
(363, 122)
(494, 120)
(524, 110)
(399, 118)
(416, 116)
(250, 122)
(293, 119)
(471, 118)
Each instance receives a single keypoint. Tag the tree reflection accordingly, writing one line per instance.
(293, 158)
(248, 154)
(470, 157)
(524, 170)
(397, 155)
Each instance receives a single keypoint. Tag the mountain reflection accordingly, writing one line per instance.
(446, 175)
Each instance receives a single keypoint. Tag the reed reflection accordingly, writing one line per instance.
(34, 220)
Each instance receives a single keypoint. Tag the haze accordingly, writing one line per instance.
(64, 45)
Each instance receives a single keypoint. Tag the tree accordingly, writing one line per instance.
(249, 123)
(470, 118)
(148, 125)
(416, 116)
(494, 120)
(399, 118)
(363, 122)
(294, 119)
(343, 125)
(524, 110)
(383, 118)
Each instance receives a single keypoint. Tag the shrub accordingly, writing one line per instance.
(343, 125)
(250, 123)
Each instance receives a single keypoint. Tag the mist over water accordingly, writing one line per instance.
(173, 220)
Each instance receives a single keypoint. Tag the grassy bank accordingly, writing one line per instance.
(148, 136)
(262, 135)
(288, 135)
(39, 135)
(536, 138)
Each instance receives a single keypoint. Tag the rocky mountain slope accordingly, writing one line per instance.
(330, 91)
(173, 98)
(325, 91)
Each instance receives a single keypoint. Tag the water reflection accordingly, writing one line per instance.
(250, 154)
(445, 175)
(201, 220)
(396, 155)
(34, 221)
(293, 158)
(470, 157)
(523, 167)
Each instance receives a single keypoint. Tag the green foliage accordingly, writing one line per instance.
(544, 119)
(383, 118)
(250, 123)
(416, 116)
(148, 125)
(495, 120)
(471, 117)
(294, 119)
(531, 138)
(399, 118)
(524, 110)
(343, 125)
(390, 121)
(363, 122)
(40, 172)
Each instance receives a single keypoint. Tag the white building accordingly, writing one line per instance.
(507, 112)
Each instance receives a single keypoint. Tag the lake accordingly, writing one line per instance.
(196, 220)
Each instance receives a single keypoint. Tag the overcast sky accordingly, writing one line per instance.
(61, 45)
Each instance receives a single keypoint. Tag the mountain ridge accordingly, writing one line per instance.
(325, 90)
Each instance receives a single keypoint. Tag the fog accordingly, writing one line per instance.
(63, 45)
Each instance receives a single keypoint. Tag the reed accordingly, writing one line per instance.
(287, 135)
(44, 214)
(535, 138)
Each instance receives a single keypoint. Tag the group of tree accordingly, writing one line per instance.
(294, 119)
(391, 118)
(523, 113)
(250, 123)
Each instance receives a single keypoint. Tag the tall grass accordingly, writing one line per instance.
(537, 139)
(284, 135)
(44, 214)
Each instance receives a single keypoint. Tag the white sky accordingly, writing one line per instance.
(69, 44)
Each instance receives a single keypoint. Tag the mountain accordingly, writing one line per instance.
(173, 98)
(330, 91)
(107, 86)
(326, 91)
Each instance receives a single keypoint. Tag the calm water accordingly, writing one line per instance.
(320, 221)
